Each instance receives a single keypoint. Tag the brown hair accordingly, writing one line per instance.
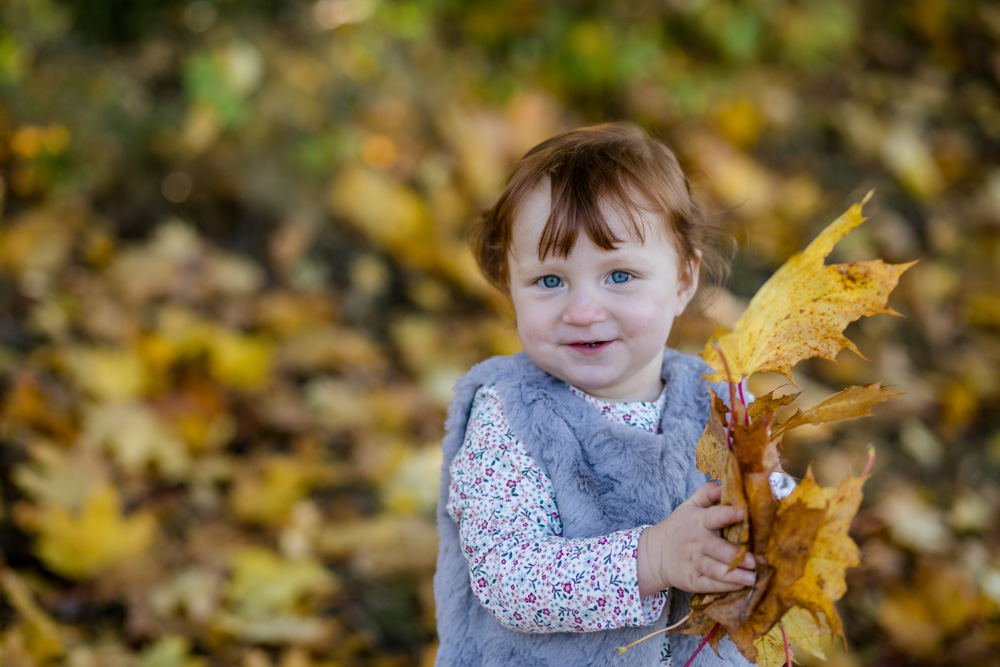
(617, 164)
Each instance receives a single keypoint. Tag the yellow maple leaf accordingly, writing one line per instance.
(797, 626)
(95, 538)
(833, 551)
(801, 311)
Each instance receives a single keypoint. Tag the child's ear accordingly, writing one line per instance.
(687, 282)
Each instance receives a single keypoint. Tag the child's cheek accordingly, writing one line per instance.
(529, 327)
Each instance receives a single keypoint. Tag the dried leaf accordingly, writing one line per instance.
(765, 407)
(383, 545)
(754, 448)
(191, 594)
(712, 454)
(170, 651)
(807, 552)
(801, 543)
(242, 361)
(59, 477)
(743, 469)
(848, 404)
(413, 486)
(106, 374)
(26, 406)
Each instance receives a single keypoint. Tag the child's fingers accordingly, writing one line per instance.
(718, 517)
(716, 577)
(707, 495)
(714, 566)
(724, 552)
(719, 572)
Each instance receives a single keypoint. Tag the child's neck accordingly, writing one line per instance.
(645, 397)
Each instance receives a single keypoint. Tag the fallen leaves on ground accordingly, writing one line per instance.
(240, 227)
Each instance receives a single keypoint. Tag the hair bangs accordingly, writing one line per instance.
(583, 189)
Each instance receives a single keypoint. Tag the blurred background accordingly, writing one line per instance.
(235, 292)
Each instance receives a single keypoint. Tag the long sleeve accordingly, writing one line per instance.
(522, 569)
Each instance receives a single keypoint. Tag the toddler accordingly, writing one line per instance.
(572, 517)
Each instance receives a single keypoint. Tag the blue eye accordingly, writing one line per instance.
(621, 277)
(549, 281)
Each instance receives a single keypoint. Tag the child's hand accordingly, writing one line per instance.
(685, 550)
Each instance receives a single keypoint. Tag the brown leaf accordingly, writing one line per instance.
(762, 508)
(765, 407)
(806, 550)
(733, 494)
(746, 617)
(26, 406)
(743, 470)
(753, 447)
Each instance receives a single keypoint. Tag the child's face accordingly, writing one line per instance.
(598, 319)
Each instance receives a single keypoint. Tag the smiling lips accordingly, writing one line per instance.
(592, 347)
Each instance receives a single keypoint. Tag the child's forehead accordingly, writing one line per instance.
(535, 206)
(630, 218)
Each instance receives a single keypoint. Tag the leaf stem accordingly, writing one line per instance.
(743, 401)
(704, 641)
(871, 461)
(788, 651)
(622, 649)
(732, 398)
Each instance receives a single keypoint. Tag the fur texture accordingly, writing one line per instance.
(607, 477)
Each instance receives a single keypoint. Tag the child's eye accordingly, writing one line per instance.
(549, 281)
(620, 277)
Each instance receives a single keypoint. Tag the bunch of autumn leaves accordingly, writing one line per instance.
(801, 542)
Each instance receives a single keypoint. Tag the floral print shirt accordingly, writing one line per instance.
(522, 569)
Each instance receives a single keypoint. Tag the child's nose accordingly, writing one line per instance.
(583, 310)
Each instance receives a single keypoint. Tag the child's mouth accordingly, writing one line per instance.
(590, 346)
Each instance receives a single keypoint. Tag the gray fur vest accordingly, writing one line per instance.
(607, 477)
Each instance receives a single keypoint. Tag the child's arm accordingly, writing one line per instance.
(685, 550)
(521, 568)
